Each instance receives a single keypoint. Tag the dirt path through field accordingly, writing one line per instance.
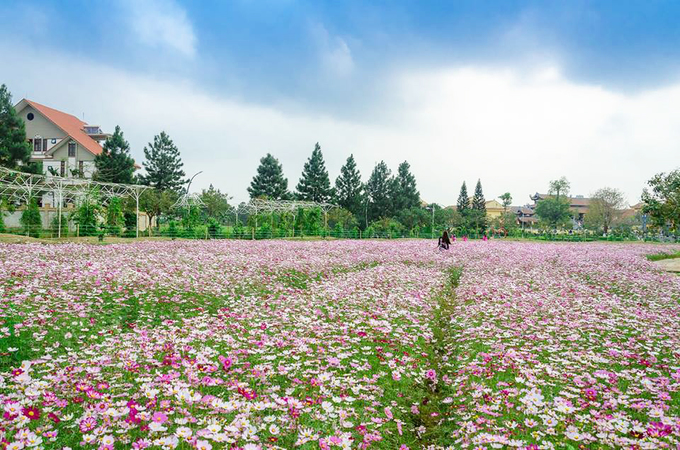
(670, 265)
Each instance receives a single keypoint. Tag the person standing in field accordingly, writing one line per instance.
(444, 241)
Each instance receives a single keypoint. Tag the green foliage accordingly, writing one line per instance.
(559, 187)
(662, 200)
(506, 201)
(342, 218)
(553, 212)
(216, 204)
(87, 214)
(14, 148)
(299, 225)
(405, 194)
(463, 203)
(163, 164)
(349, 190)
(191, 217)
(114, 216)
(477, 214)
(313, 222)
(154, 202)
(414, 217)
(269, 181)
(31, 220)
(114, 164)
(214, 229)
(386, 227)
(378, 192)
(315, 186)
(445, 218)
(507, 220)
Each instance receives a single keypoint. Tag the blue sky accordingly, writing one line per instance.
(561, 86)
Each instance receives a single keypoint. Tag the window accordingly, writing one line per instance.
(62, 170)
(71, 149)
(30, 116)
(37, 145)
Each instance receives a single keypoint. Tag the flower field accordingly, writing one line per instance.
(338, 345)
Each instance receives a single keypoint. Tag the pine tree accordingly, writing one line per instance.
(463, 204)
(405, 194)
(378, 191)
(348, 187)
(14, 148)
(114, 164)
(163, 164)
(478, 202)
(478, 208)
(315, 186)
(269, 181)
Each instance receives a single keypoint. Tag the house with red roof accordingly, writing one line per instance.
(64, 144)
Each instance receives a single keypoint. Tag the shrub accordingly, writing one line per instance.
(30, 219)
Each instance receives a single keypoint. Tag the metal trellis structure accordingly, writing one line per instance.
(23, 187)
(259, 206)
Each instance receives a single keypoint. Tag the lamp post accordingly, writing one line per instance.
(189, 187)
(434, 205)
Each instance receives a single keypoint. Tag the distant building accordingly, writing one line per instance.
(494, 209)
(64, 144)
(526, 216)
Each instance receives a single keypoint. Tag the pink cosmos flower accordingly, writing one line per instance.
(87, 424)
(159, 417)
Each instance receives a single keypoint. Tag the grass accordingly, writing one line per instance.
(662, 256)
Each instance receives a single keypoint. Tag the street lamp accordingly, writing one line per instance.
(434, 205)
(187, 194)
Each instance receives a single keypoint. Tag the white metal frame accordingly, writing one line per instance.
(22, 187)
(258, 206)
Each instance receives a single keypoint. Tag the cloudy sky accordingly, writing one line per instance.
(514, 93)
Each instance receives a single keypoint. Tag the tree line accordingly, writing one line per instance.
(383, 203)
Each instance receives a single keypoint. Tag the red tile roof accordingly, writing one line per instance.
(71, 126)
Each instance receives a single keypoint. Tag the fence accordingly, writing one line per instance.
(250, 233)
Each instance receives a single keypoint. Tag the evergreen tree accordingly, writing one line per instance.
(478, 208)
(114, 164)
(463, 204)
(405, 195)
(478, 202)
(348, 187)
(378, 192)
(163, 164)
(269, 181)
(14, 148)
(315, 186)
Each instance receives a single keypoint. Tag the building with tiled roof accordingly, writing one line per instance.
(64, 144)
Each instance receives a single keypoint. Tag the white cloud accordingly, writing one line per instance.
(334, 52)
(161, 24)
(516, 130)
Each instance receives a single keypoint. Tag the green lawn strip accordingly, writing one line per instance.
(429, 415)
(662, 256)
